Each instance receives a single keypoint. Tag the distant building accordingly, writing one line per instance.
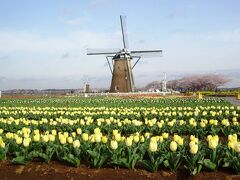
(86, 88)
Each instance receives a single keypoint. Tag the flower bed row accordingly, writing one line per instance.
(116, 150)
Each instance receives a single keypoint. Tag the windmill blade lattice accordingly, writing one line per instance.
(124, 31)
(103, 51)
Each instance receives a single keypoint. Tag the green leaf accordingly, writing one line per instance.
(195, 171)
(71, 159)
(45, 157)
(226, 164)
(166, 163)
(209, 164)
(123, 162)
(103, 159)
(94, 154)
(199, 168)
(3, 152)
(19, 160)
(33, 154)
(147, 165)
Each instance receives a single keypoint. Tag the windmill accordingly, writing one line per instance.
(121, 69)
(86, 85)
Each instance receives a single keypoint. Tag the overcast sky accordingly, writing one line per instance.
(43, 43)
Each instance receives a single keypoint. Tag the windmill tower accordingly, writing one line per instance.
(121, 68)
(164, 83)
(86, 86)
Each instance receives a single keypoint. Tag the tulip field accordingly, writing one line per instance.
(147, 133)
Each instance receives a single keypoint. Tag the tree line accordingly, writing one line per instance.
(206, 82)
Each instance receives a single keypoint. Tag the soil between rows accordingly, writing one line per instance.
(56, 170)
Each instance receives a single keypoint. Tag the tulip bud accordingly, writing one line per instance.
(153, 146)
(19, 140)
(114, 144)
(194, 149)
(237, 147)
(128, 141)
(85, 136)
(104, 139)
(173, 146)
(26, 142)
(76, 143)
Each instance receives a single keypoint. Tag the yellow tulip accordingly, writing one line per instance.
(36, 138)
(45, 138)
(85, 136)
(128, 141)
(51, 137)
(76, 143)
(194, 149)
(26, 142)
(19, 140)
(212, 144)
(104, 139)
(97, 137)
(136, 139)
(153, 146)
(237, 147)
(165, 135)
(173, 146)
(63, 139)
(180, 141)
(97, 131)
(114, 144)
(2, 144)
(70, 140)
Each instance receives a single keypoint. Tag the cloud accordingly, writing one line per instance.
(227, 36)
(93, 4)
(176, 14)
(65, 12)
(2, 78)
(76, 21)
(65, 55)
(142, 41)
(232, 35)
(36, 55)
(4, 57)
(31, 42)
(12, 42)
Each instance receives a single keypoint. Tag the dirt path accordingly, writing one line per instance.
(58, 171)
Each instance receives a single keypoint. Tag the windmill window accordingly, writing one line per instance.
(116, 88)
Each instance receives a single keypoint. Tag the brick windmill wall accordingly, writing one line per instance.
(122, 77)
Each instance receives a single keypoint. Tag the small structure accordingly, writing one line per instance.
(238, 96)
(86, 88)
(164, 83)
(199, 96)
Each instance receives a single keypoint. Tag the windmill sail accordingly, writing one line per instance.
(124, 31)
(147, 53)
(103, 51)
